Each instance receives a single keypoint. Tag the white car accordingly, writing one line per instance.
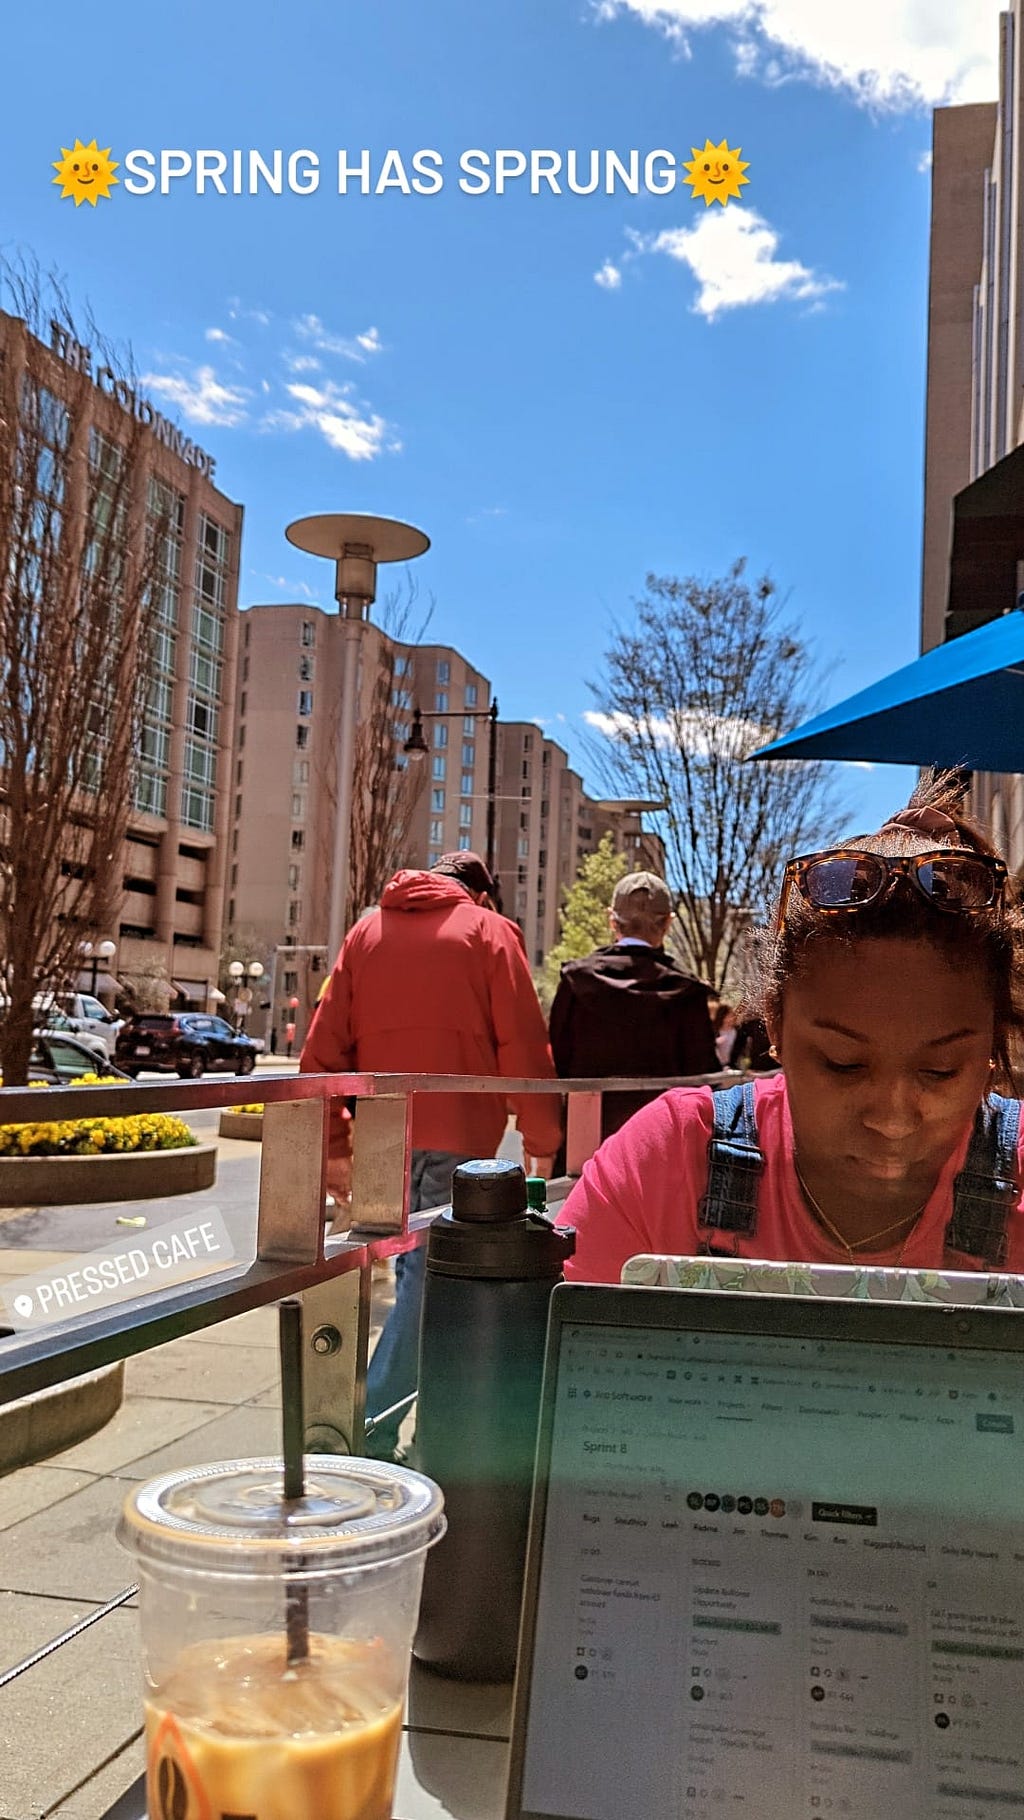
(86, 1016)
(56, 1023)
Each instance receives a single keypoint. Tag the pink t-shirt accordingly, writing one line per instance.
(639, 1193)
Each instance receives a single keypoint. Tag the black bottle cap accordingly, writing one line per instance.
(488, 1190)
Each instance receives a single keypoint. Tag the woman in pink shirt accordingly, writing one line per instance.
(891, 987)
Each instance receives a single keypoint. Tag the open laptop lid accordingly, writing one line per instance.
(775, 1562)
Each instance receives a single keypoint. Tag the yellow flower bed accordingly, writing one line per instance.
(257, 1106)
(95, 1136)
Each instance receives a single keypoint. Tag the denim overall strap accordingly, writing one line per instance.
(988, 1187)
(729, 1203)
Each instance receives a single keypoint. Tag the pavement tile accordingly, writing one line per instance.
(27, 1622)
(243, 1433)
(102, 1790)
(257, 1327)
(206, 1374)
(75, 1558)
(68, 1715)
(34, 1488)
(140, 1425)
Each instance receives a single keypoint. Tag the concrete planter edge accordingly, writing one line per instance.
(141, 1175)
(241, 1125)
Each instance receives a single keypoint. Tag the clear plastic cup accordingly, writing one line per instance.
(276, 1637)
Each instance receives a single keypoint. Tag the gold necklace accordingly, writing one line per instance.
(908, 1219)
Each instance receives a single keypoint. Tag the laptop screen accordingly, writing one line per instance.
(778, 1574)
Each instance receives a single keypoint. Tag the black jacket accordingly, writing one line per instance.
(630, 1010)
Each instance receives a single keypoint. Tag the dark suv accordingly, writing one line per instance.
(186, 1043)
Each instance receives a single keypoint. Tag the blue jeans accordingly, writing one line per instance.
(394, 1368)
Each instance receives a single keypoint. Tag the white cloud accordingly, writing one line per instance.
(239, 313)
(332, 411)
(292, 588)
(219, 335)
(701, 735)
(201, 397)
(609, 277)
(353, 347)
(301, 363)
(924, 162)
(733, 254)
(885, 53)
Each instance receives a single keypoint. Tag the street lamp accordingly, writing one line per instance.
(95, 954)
(416, 747)
(243, 994)
(356, 542)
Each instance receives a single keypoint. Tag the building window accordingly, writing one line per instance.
(469, 756)
(241, 737)
(294, 912)
(444, 671)
(242, 703)
(465, 815)
(526, 770)
(293, 878)
(298, 840)
(470, 695)
(400, 731)
(305, 701)
(300, 771)
(440, 734)
(469, 726)
(401, 666)
(437, 830)
(234, 840)
(439, 770)
(305, 669)
(433, 856)
(238, 807)
(238, 771)
(234, 877)
(231, 910)
(308, 632)
(401, 698)
(302, 738)
(441, 702)
(524, 848)
(524, 821)
(291, 983)
(298, 805)
(527, 742)
(437, 802)
(463, 843)
(467, 783)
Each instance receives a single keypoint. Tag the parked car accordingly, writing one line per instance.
(185, 1043)
(56, 1023)
(85, 1014)
(58, 1058)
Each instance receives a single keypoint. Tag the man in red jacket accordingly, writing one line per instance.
(434, 982)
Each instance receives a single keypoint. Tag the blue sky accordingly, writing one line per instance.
(565, 391)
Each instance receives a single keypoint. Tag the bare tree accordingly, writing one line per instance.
(81, 538)
(384, 793)
(708, 672)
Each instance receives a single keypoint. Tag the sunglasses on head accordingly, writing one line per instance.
(955, 880)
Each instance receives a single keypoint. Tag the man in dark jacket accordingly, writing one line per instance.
(629, 1008)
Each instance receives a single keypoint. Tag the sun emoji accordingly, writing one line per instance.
(716, 173)
(85, 172)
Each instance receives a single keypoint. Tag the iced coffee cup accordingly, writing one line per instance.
(276, 1635)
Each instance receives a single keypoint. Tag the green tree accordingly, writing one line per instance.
(583, 918)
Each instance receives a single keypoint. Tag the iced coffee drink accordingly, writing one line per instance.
(277, 1636)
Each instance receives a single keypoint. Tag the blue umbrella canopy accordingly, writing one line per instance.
(960, 704)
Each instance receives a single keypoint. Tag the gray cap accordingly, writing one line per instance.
(641, 894)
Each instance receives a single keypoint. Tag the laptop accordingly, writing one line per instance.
(776, 1561)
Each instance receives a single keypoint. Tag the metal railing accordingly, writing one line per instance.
(294, 1255)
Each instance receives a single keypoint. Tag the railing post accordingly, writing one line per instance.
(335, 1334)
(582, 1130)
(380, 1164)
(293, 1163)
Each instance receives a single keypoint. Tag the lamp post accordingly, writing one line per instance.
(356, 542)
(95, 953)
(237, 970)
(416, 747)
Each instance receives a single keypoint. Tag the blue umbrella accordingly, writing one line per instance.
(960, 704)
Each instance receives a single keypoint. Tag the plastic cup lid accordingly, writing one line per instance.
(232, 1516)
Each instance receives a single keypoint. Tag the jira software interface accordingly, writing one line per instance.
(781, 1579)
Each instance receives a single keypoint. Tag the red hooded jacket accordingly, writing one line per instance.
(430, 983)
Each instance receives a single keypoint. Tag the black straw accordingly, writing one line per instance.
(292, 1417)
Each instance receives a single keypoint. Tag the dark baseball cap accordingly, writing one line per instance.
(468, 869)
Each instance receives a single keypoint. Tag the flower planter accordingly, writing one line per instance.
(241, 1125)
(134, 1175)
(35, 1427)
